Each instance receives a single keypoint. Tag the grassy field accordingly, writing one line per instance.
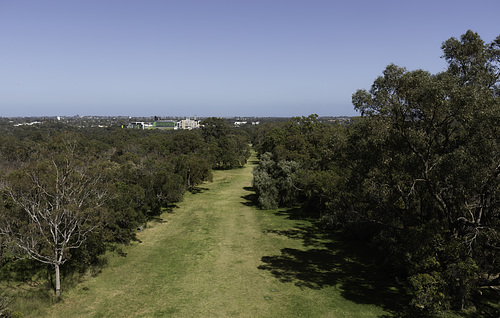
(217, 255)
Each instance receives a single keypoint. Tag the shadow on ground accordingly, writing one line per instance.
(196, 190)
(326, 261)
(487, 304)
(251, 198)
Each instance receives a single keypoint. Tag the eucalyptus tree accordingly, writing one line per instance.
(53, 204)
(428, 172)
(192, 169)
(225, 148)
(299, 163)
(214, 128)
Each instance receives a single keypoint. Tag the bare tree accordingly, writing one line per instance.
(54, 205)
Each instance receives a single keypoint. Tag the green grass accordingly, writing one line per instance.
(217, 255)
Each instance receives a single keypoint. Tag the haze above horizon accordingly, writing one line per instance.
(220, 57)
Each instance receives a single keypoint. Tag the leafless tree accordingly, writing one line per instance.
(55, 205)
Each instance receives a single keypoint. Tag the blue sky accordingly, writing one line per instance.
(217, 57)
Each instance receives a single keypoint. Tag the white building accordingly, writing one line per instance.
(189, 123)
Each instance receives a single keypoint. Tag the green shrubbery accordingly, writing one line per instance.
(68, 194)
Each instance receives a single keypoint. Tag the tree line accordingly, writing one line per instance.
(69, 194)
(417, 175)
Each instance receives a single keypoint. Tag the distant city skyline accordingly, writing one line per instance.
(222, 58)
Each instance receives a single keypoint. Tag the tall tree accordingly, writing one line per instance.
(214, 128)
(225, 149)
(429, 176)
(54, 206)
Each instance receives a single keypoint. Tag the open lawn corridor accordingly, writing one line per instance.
(217, 255)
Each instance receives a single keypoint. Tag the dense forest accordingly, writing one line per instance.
(68, 193)
(417, 175)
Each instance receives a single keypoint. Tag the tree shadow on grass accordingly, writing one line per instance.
(487, 304)
(196, 190)
(326, 261)
(251, 198)
(170, 208)
(298, 213)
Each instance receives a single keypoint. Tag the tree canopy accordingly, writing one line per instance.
(68, 194)
(417, 175)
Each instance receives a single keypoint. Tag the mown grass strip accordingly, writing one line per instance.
(217, 255)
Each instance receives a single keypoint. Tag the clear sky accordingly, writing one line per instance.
(217, 57)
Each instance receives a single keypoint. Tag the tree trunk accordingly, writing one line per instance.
(58, 282)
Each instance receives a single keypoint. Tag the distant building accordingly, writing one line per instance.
(189, 123)
(136, 125)
(28, 124)
(165, 124)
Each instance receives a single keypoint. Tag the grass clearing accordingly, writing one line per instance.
(217, 255)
